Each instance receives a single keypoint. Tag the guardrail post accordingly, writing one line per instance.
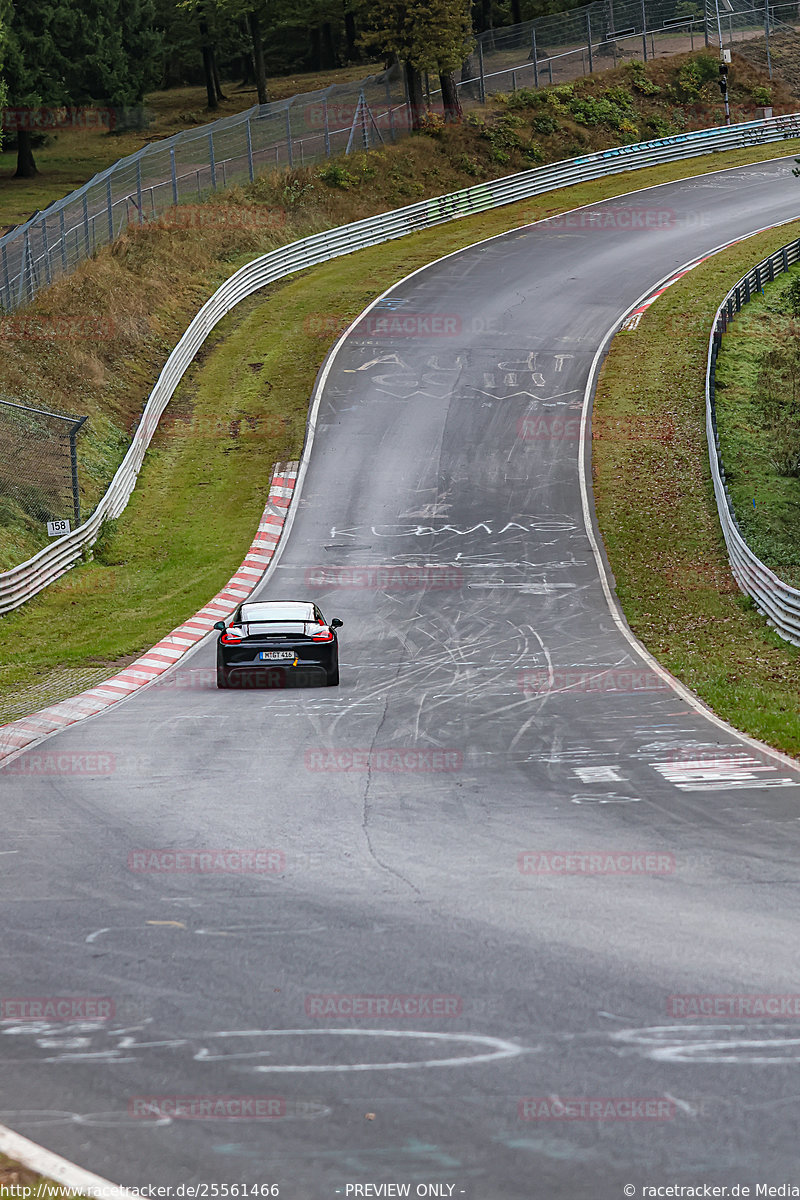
(139, 201)
(535, 57)
(550, 68)
(785, 257)
(212, 161)
(174, 175)
(644, 31)
(482, 81)
(589, 38)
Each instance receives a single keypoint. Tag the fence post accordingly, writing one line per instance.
(86, 223)
(362, 102)
(766, 36)
(248, 133)
(62, 233)
(212, 161)
(289, 136)
(644, 31)
(390, 109)
(535, 54)
(47, 272)
(482, 83)
(174, 175)
(110, 209)
(589, 38)
(25, 265)
(6, 280)
(139, 200)
(73, 462)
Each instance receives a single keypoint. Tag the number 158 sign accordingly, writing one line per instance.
(56, 528)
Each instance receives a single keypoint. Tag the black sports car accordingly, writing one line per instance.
(269, 643)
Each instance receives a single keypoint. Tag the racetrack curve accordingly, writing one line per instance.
(457, 454)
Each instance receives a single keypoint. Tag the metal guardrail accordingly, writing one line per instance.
(774, 599)
(310, 127)
(25, 581)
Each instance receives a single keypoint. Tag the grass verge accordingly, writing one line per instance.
(203, 484)
(758, 417)
(656, 510)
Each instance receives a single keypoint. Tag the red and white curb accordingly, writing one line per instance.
(18, 735)
(632, 320)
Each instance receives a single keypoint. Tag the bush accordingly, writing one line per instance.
(762, 96)
(544, 124)
(335, 175)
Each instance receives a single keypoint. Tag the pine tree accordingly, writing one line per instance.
(434, 36)
(34, 69)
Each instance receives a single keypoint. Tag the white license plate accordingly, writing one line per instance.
(276, 655)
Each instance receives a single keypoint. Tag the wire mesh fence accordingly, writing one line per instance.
(189, 166)
(38, 465)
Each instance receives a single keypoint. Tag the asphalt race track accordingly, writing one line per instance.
(490, 708)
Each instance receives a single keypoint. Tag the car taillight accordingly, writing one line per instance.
(232, 634)
(324, 635)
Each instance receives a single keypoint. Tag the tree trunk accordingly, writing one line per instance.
(329, 55)
(416, 99)
(26, 167)
(254, 25)
(351, 52)
(450, 97)
(208, 63)
(516, 12)
(215, 72)
(315, 41)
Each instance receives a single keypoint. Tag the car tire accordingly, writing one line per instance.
(222, 678)
(332, 678)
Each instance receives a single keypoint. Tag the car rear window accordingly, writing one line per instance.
(259, 613)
